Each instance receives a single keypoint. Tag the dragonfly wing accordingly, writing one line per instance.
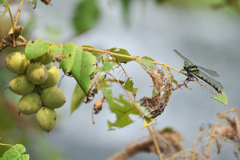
(213, 81)
(210, 72)
(184, 58)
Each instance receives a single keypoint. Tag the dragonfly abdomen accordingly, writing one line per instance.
(208, 82)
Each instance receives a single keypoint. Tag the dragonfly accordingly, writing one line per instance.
(194, 71)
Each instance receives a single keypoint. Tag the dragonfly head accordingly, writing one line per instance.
(185, 66)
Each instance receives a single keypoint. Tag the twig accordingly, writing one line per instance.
(196, 140)
(137, 59)
(18, 12)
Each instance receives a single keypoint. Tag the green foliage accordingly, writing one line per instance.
(147, 62)
(82, 68)
(3, 2)
(122, 52)
(69, 55)
(129, 86)
(77, 98)
(222, 98)
(107, 65)
(122, 109)
(15, 153)
(37, 48)
(126, 10)
(86, 15)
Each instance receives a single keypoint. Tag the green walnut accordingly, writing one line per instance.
(37, 73)
(30, 103)
(53, 97)
(45, 59)
(53, 77)
(20, 85)
(46, 119)
(17, 62)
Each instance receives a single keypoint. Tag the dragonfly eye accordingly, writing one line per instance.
(185, 65)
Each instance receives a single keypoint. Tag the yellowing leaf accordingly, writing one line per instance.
(222, 98)
(148, 122)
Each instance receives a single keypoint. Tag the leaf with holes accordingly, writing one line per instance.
(107, 66)
(37, 48)
(147, 62)
(122, 109)
(123, 52)
(15, 152)
(68, 53)
(129, 86)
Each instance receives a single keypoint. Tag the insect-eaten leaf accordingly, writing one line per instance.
(122, 109)
(36, 48)
(222, 98)
(77, 98)
(147, 62)
(108, 95)
(86, 15)
(107, 66)
(123, 52)
(68, 52)
(129, 86)
(82, 68)
(15, 152)
(148, 121)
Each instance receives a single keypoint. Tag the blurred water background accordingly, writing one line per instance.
(209, 38)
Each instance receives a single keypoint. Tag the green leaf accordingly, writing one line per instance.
(24, 157)
(86, 15)
(14, 153)
(147, 62)
(37, 48)
(82, 68)
(108, 95)
(149, 58)
(126, 9)
(69, 54)
(222, 98)
(55, 49)
(129, 86)
(3, 2)
(34, 2)
(123, 52)
(77, 98)
(107, 66)
(122, 109)
(93, 52)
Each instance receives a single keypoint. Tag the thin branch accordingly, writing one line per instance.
(11, 16)
(136, 58)
(18, 12)
(196, 140)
